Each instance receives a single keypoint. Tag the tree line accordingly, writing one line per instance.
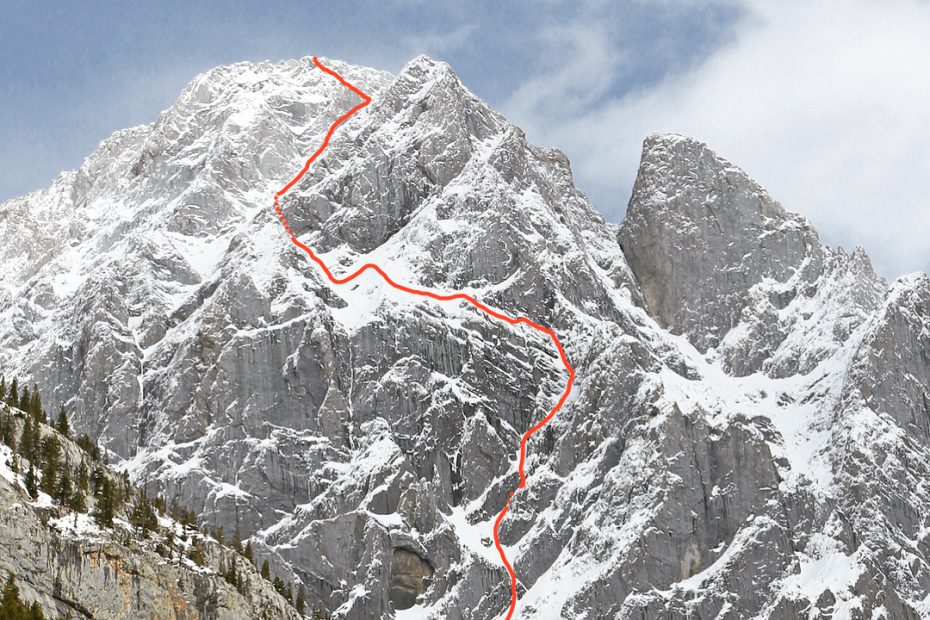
(12, 607)
(38, 457)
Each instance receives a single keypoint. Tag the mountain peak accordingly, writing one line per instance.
(426, 63)
(699, 232)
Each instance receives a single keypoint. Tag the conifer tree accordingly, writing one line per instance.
(51, 464)
(86, 444)
(35, 404)
(230, 575)
(301, 603)
(2, 388)
(82, 481)
(78, 503)
(119, 494)
(35, 612)
(14, 608)
(12, 398)
(6, 432)
(10, 602)
(196, 552)
(247, 553)
(25, 399)
(96, 480)
(106, 505)
(61, 424)
(27, 441)
(143, 515)
(31, 486)
(64, 491)
(266, 572)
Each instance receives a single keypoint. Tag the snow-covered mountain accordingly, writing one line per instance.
(749, 431)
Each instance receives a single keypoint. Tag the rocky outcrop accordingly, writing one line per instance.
(75, 568)
(699, 233)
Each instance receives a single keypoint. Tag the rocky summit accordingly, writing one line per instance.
(748, 435)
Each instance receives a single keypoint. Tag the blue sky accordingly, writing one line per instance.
(825, 103)
(75, 72)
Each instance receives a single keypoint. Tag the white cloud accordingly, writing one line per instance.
(573, 80)
(826, 103)
(439, 43)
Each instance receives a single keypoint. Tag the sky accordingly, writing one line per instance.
(825, 103)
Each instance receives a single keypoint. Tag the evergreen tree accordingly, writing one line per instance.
(143, 516)
(236, 543)
(61, 424)
(106, 504)
(26, 441)
(14, 608)
(25, 399)
(83, 480)
(188, 518)
(12, 398)
(2, 388)
(125, 489)
(278, 585)
(31, 486)
(231, 576)
(301, 603)
(196, 552)
(10, 603)
(266, 572)
(78, 503)
(248, 554)
(51, 464)
(35, 612)
(96, 480)
(88, 445)
(10, 590)
(35, 404)
(64, 491)
(7, 435)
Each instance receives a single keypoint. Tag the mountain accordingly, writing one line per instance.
(747, 435)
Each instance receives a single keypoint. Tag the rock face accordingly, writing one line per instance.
(699, 234)
(747, 435)
(75, 569)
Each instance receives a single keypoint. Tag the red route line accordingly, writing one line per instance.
(438, 297)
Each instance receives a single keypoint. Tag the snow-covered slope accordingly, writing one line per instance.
(747, 435)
